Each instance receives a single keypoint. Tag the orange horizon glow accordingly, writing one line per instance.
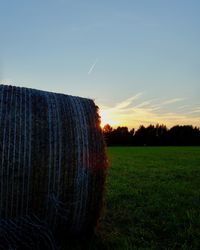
(106, 118)
(131, 115)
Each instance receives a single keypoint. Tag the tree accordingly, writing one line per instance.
(107, 129)
(152, 135)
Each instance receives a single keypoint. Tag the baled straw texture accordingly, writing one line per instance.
(52, 165)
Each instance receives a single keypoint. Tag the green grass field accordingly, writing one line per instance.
(152, 199)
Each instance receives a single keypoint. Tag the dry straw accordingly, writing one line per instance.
(52, 167)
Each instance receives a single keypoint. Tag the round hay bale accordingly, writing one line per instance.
(52, 165)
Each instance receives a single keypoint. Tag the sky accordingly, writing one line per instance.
(139, 60)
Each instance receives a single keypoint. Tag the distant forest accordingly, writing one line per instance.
(151, 135)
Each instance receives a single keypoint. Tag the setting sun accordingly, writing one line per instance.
(135, 111)
(108, 118)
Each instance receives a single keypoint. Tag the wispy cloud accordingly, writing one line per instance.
(127, 102)
(196, 110)
(171, 101)
(134, 111)
(5, 81)
(184, 106)
(92, 66)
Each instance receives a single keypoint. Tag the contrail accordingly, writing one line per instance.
(92, 67)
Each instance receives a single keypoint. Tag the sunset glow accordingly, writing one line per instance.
(139, 60)
(134, 112)
(108, 118)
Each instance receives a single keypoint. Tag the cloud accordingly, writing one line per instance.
(127, 102)
(196, 110)
(5, 81)
(171, 101)
(184, 106)
(131, 114)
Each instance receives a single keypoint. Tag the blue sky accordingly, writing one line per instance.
(139, 60)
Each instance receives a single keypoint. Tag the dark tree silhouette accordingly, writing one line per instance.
(152, 135)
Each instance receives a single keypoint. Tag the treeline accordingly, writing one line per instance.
(151, 135)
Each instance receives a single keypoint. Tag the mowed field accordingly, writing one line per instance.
(152, 199)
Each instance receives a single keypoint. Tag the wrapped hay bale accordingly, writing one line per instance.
(52, 166)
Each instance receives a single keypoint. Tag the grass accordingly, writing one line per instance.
(152, 200)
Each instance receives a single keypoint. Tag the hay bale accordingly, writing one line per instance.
(52, 163)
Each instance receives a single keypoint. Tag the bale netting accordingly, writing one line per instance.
(52, 167)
